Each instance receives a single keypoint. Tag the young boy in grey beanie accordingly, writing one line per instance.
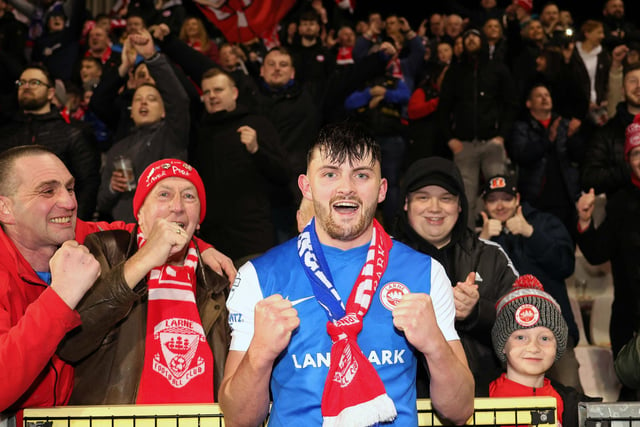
(529, 335)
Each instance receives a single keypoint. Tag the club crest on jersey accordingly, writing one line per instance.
(527, 315)
(391, 293)
(179, 339)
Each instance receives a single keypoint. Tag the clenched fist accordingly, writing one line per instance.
(274, 322)
(73, 272)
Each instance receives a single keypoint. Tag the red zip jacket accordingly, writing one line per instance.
(33, 320)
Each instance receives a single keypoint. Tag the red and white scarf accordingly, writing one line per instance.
(345, 56)
(353, 392)
(178, 362)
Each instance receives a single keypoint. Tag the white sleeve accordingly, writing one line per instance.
(442, 299)
(243, 297)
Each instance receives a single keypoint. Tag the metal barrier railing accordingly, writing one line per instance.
(620, 414)
(540, 411)
(511, 411)
(125, 416)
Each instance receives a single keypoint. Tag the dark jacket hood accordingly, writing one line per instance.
(431, 171)
(480, 55)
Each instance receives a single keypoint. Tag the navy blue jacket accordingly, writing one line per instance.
(530, 148)
(548, 254)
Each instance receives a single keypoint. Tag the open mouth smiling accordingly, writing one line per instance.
(346, 207)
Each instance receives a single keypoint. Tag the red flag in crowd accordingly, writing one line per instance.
(243, 20)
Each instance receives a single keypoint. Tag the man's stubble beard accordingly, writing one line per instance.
(340, 231)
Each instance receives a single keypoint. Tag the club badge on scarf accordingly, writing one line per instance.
(353, 392)
(178, 362)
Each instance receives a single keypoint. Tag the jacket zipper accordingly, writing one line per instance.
(55, 383)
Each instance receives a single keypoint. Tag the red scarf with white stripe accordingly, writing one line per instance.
(353, 393)
(178, 362)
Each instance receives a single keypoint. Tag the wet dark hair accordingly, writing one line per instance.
(346, 141)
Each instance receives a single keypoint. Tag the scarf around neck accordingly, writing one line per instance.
(178, 362)
(353, 393)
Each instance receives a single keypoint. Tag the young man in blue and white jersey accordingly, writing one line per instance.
(385, 303)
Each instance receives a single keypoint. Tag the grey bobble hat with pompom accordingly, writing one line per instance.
(527, 306)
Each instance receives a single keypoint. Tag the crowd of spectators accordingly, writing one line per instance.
(517, 90)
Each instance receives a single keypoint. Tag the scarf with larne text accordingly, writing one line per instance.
(353, 394)
(178, 362)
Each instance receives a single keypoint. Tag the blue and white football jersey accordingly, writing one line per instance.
(299, 374)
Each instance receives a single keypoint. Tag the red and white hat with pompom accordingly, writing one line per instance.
(632, 136)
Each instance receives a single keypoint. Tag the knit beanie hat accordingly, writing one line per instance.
(527, 306)
(168, 168)
(471, 31)
(632, 136)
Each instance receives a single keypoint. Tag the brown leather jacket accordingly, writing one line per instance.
(107, 350)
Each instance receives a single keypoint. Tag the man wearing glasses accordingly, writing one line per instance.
(38, 121)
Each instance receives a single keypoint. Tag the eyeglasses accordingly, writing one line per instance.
(30, 83)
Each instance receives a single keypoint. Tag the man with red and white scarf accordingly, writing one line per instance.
(154, 326)
(384, 302)
(45, 271)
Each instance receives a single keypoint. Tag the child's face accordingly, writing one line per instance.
(530, 353)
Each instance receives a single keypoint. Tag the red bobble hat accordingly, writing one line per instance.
(527, 5)
(632, 136)
(168, 168)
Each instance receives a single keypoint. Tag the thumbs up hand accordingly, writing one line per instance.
(585, 206)
(490, 227)
(517, 224)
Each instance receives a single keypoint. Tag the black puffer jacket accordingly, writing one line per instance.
(292, 111)
(604, 168)
(238, 181)
(543, 163)
(68, 142)
(477, 100)
(548, 254)
(465, 253)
